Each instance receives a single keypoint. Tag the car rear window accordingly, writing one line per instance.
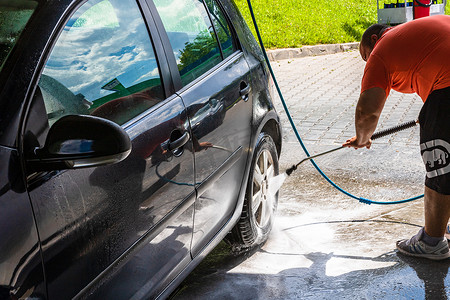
(222, 28)
(191, 35)
(14, 16)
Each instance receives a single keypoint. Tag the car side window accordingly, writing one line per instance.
(191, 36)
(222, 28)
(14, 16)
(102, 64)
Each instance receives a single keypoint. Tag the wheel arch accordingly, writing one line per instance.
(270, 124)
(272, 127)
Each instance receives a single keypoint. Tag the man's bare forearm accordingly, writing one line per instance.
(368, 111)
(365, 125)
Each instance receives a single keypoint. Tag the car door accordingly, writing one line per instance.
(122, 230)
(214, 83)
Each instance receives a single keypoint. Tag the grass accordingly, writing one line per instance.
(294, 23)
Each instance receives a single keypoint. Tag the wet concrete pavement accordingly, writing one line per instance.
(325, 245)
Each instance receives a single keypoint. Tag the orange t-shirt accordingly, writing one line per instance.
(412, 57)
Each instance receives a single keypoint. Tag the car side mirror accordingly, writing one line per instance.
(81, 141)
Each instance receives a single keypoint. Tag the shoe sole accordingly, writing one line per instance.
(429, 256)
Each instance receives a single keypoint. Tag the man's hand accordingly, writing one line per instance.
(353, 142)
(205, 145)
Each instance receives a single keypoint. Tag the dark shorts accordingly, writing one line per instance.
(434, 122)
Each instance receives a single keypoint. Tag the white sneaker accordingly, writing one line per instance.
(416, 247)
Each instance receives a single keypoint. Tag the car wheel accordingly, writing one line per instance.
(260, 204)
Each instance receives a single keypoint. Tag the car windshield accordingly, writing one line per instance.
(14, 15)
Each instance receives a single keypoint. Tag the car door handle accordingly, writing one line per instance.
(245, 90)
(178, 143)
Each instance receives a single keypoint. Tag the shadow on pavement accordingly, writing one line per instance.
(387, 276)
(432, 273)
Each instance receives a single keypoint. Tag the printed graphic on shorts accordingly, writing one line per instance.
(436, 157)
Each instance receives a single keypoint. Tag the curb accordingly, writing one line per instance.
(290, 53)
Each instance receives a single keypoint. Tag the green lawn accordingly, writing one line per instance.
(294, 23)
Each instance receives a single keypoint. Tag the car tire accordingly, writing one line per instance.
(259, 206)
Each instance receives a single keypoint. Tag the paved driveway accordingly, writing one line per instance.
(325, 245)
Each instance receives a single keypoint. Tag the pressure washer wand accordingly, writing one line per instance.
(375, 136)
(294, 167)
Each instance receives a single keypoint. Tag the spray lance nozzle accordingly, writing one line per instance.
(290, 170)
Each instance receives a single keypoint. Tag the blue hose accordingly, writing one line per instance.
(360, 199)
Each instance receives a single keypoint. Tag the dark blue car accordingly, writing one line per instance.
(135, 135)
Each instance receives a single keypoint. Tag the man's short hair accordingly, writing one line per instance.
(377, 29)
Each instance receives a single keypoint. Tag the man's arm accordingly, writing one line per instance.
(368, 111)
